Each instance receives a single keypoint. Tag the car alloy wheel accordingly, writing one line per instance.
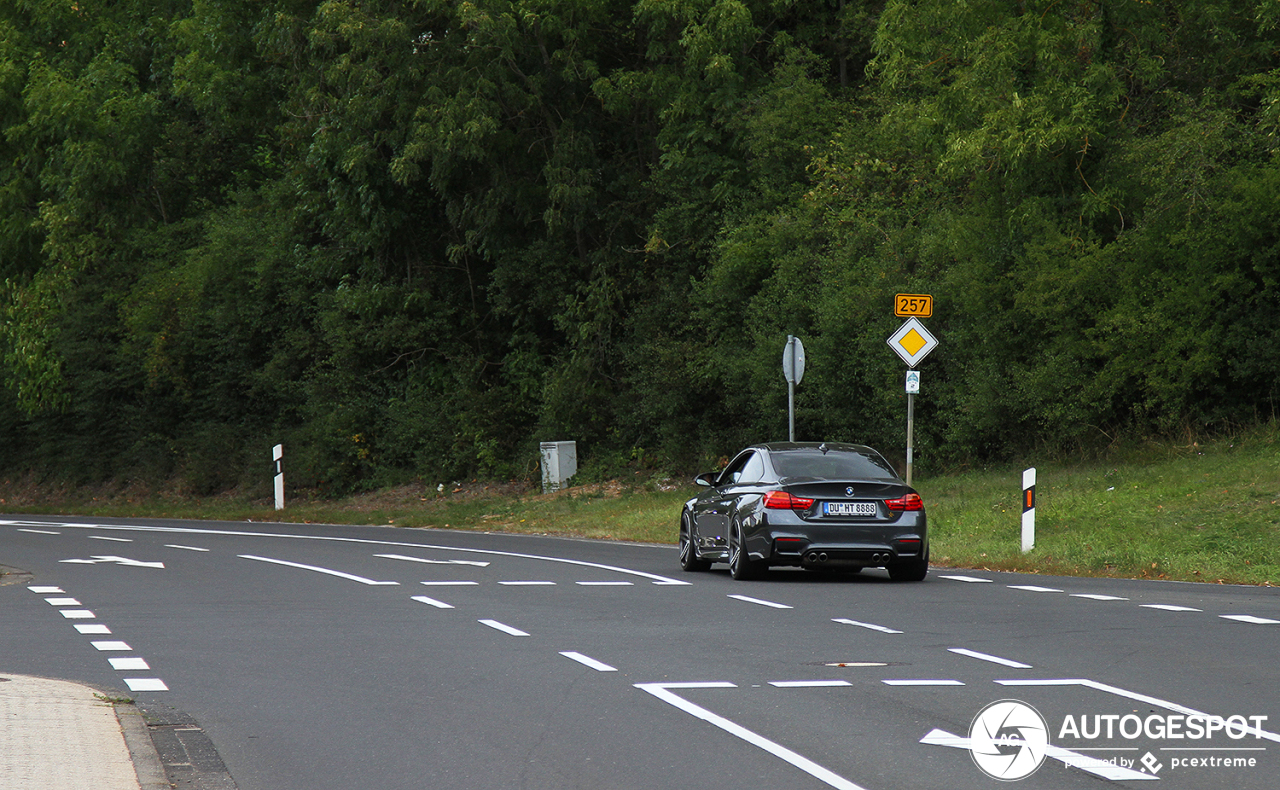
(741, 567)
(689, 559)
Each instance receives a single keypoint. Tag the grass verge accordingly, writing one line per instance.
(1206, 512)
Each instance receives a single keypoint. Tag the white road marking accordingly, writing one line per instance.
(1133, 695)
(117, 540)
(433, 562)
(528, 584)
(1032, 588)
(808, 684)
(449, 584)
(922, 682)
(46, 590)
(770, 604)
(184, 548)
(970, 579)
(598, 666)
(326, 571)
(872, 626)
(77, 614)
(431, 602)
(145, 684)
(985, 657)
(62, 602)
(39, 531)
(92, 628)
(606, 584)
(97, 558)
(1248, 618)
(127, 664)
(663, 692)
(1168, 607)
(110, 646)
(656, 579)
(1090, 764)
(1095, 597)
(504, 628)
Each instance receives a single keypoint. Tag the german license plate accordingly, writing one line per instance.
(849, 508)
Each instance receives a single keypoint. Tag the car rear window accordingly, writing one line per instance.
(832, 465)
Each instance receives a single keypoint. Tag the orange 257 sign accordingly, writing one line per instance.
(918, 305)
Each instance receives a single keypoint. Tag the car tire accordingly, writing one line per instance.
(689, 559)
(741, 566)
(910, 571)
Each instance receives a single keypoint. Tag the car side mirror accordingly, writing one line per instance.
(706, 479)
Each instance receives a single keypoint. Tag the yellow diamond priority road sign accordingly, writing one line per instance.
(912, 342)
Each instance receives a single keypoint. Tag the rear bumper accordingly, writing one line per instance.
(868, 544)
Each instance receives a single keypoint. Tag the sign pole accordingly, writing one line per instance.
(793, 371)
(911, 424)
(791, 411)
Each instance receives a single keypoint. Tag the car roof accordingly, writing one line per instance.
(782, 447)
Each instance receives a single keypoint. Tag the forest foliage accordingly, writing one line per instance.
(411, 239)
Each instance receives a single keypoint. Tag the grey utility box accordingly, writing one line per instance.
(559, 463)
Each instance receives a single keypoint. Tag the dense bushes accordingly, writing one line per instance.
(413, 239)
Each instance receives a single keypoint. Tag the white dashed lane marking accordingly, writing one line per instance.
(116, 540)
(1095, 597)
(598, 666)
(503, 627)
(770, 604)
(987, 657)
(127, 664)
(870, 626)
(969, 579)
(1166, 607)
(145, 684)
(184, 548)
(110, 646)
(119, 663)
(808, 684)
(431, 602)
(528, 584)
(1248, 618)
(1033, 588)
(922, 682)
(449, 584)
(40, 531)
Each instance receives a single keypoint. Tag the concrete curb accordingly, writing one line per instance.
(146, 760)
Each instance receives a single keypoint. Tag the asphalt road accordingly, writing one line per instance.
(320, 657)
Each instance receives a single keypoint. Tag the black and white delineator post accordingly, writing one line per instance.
(278, 456)
(1028, 510)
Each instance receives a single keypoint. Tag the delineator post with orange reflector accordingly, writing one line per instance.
(1028, 510)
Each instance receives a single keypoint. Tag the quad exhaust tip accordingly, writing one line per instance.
(819, 557)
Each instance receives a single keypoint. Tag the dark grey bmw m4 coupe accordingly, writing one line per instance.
(819, 506)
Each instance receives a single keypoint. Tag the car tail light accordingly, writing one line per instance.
(781, 500)
(908, 502)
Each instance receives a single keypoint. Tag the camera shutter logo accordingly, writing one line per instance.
(1008, 740)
